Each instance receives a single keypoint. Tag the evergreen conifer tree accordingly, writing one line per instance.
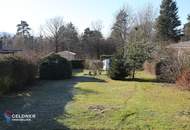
(168, 21)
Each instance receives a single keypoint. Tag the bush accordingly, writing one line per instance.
(16, 73)
(183, 81)
(88, 64)
(167, 70)
(55, 67)
(171, 65)
(95, 66)
(77, 64)
(119, 70)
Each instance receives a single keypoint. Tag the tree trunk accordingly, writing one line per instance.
(133, 73)
(56, 45)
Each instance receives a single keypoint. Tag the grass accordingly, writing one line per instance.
(98, 103)
(127, 105)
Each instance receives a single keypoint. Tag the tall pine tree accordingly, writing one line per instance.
(168, 21)
(23, 29)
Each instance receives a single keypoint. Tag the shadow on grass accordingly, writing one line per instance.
(87, 79)
(47, 100)
(143, 80)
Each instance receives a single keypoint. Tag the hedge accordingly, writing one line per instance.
(16, 73)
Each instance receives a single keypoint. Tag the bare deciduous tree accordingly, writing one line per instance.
(52, 30)
(121, 28)
(97, 25)
(146, 19)
(140, 42)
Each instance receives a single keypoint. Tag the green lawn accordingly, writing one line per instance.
(98, 103)
(140, 105)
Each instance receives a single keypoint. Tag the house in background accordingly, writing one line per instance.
(181, 48)
(4, 50)
(68, 55)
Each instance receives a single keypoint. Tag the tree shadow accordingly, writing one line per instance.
(87, 79)
(47, 100)
(143, 80)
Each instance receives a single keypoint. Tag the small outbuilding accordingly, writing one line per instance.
(106, 64)
(106, 60)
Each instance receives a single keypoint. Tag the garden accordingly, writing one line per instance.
(88, 102)
(73, 99)
(137, 78)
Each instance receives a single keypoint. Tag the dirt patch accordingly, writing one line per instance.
(184, 113)
(97, 108)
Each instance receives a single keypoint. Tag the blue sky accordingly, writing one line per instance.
(81, 12)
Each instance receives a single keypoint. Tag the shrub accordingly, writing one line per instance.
(16, 73)
(172, 64)
(95, 66)
(170, 67)
(167, 70)
(119, 70)
(55, 67)
(77, 64)
(87, 64)
(183, 81)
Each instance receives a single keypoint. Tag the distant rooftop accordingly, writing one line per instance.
(66, 52)
(9, 51)
(68, 55)
(182, 45)
(4, 50)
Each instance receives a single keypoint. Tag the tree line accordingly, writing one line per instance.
(143, 36)
(130, 31)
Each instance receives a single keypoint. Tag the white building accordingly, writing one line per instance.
(106, 64)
